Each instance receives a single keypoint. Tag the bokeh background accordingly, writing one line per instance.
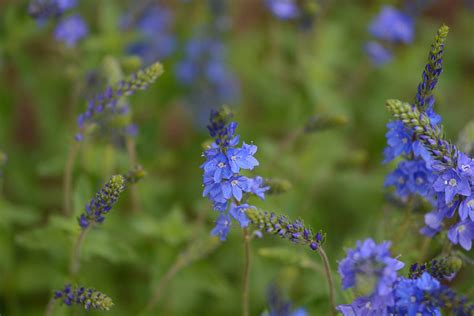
(281, 75)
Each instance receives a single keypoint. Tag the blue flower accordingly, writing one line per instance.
(71, 30)
(242, 158)
(462, 233)
(222, 226)
(279, 306)
(371, 263)
(238, 212)
(378, 54)
(257, 187)
(399, 178)
(393, 26)
(465, 165)
(412, 297)
(284, 9)
(452, 184)
(467, 208)
(235, 187)
(399, 140)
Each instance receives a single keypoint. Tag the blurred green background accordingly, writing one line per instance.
(286, 75)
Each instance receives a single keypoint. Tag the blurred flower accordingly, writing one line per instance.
(378, 54)
(44, 9)
(206, 75)
(103, 201)
(284, 9)
(156, 41)
(278, 306)
(107, 117)
(393, 26)
(71, 30)
(372, 264)
(88, 298)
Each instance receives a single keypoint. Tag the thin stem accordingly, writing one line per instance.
(50, 307)
(67, 180)
(132, 157)
(76, 253)
(327, 269)
(246, 276)
(163, 284)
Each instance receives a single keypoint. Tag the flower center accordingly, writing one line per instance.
(233, 158)
(419, 181)
(461, 228)
(234, 182)
(401, 180)
(221, 165)
(404, 140)
(452, 182)
(470, 204)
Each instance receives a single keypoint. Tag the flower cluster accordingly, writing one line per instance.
(390, 26)
(447, 176)
(303, 11)
(104, 114)
(86, 297)
(153, 24)
(205, 73)
(103, 201)
(223, 183)
(278, 306)
(281, 226)
(374, 274)
(441, 269)
(70, 29)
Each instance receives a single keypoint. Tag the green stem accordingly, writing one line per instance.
(132, 158)
(50, 307)
(246, 276)
(163, 284)
(67, 180)
(75, 262)
(328, 273)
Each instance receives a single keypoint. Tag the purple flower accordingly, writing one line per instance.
(71, 30)
(462, 233)
(378, 54)
(392, 25)
(284, 9)
(452, 184)
(373, 305)
(235, 186)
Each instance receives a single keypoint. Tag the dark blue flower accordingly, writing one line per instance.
(88, 298)
(71, 30)
(392, 25)
(413, 297)
(452, 184)
(378, 54)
